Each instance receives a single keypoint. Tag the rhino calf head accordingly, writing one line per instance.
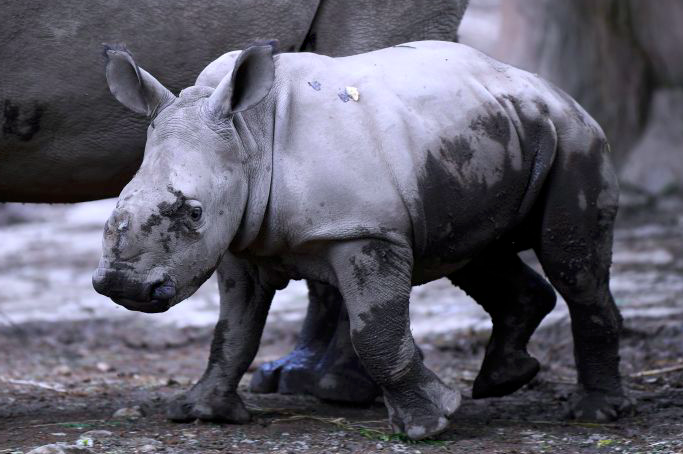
(180, 212)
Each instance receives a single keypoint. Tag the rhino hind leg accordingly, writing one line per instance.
(575, 250)
(517, 298)
(323, 363)
(340, 377)
(295, 373)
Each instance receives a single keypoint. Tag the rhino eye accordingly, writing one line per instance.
(196, 213)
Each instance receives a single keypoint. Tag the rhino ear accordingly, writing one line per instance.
(132, 86)
(250, 81)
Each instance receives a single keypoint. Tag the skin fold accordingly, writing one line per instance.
(447, 164)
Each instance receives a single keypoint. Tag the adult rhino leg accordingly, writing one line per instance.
(340, 376)
(374, 277)
(296, 372)
(245, 301)
(517, 298)
(575, 250)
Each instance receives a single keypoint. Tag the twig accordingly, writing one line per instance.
(64, 423)
(56, 388)
(663, 370)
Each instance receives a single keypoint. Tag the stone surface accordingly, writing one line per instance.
(621, 60)
(656, 162)
(128, 413)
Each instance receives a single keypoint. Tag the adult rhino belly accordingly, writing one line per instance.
(68, 163)
(63, 137)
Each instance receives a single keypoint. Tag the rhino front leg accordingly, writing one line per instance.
(245, 300)
(375, 279)
(340, 376)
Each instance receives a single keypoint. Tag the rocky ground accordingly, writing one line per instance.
(76, 370)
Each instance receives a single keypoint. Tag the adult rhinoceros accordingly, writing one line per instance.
(64, 139)
(369, 173)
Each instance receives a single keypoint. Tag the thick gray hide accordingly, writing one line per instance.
(444, 155)
(64, 139)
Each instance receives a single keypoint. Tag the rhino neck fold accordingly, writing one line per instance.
(255, 133)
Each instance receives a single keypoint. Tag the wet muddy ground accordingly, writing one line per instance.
(70, 360)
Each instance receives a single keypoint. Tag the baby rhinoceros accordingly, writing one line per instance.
(370, 173)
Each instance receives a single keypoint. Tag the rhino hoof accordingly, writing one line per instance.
(425, 413)
(224, 409)
(293, 374)
(599, 407)
(499, 378)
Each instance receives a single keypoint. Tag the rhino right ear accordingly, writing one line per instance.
(132, 86)
(249, 83)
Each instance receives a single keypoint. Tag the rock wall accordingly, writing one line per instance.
(623, 61)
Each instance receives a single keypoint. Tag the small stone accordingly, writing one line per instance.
(128, 413)
(104, 367)
(47, 449)
(147, 448)
(62, 369)
(143, 441)
(97, 434)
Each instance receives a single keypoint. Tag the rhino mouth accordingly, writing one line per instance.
(150, 307)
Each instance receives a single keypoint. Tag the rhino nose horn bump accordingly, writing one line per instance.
(119, 221)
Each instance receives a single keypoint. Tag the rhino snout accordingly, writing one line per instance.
(131, 292)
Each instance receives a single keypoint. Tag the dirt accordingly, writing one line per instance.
(59, 381)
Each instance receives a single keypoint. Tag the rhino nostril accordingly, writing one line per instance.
(163, 291)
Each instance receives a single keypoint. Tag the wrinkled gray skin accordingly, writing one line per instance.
(64, 139)
(448, 157)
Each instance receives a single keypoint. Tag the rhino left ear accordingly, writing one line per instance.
(131, 85)
(250, 82)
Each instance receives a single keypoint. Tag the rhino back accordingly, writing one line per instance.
(441, 146)
(402, 21)
(64, 137)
